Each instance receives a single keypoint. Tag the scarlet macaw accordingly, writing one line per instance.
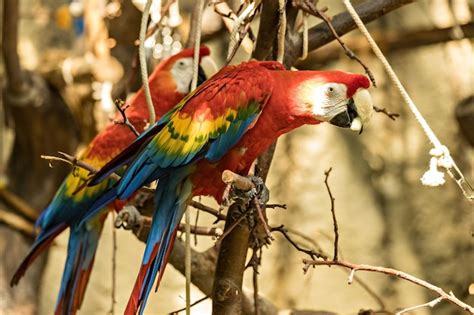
(169, 83)
(224, 124)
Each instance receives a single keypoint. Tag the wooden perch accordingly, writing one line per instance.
(237, 181)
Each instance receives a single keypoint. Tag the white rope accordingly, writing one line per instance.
(304, 54)
(440, 153)
(142, 57)
(197, 43)
(281, 30)
(187, 215)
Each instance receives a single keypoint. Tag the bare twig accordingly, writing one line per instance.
(276, 205)
(321, 35)
(114, 265)
(392, 41)
(431, 304)
(239, 26)
(390, 115)
(333, 212)
(72, 160)
(119, 104)
(263, 220)
(18, 223)
(309, 7)
(191, 305)
(198, 230)
(240, 29)
(214, 212)
(310, 252)
(164, 10)
(392, 272)
(75, 162)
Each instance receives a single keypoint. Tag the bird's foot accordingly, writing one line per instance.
(248, 190)
(130, 218)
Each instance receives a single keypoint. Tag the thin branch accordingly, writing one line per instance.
(214, 212)
(309, 7)
(310, 252)
(143, 65)
(75, 162)
(191, 305)
(114, 265)
(333, 212)
(164, 10)
(121, 108)
(141, 226)
(392, 272)
(391, 115)
(431, 304)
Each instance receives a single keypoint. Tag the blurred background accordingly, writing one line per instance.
(386, 217)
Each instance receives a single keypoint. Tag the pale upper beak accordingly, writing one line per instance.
(357, 112)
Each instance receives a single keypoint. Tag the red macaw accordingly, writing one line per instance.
(169, 83)
(224, 124)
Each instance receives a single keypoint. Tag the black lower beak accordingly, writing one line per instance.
(201, 76)
(345, 118)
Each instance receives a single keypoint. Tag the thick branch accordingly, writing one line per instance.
(321, 35)
(10, 41)
(388, 41)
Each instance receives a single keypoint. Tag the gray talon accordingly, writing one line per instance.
(129, 218)
(260, 191)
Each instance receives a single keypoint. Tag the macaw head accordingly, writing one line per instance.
(180, 67)
(337, 97)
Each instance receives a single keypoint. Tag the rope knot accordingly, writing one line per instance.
(440, 157)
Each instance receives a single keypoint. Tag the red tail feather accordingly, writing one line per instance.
(134, 301)
(165, 260)
(35, 252)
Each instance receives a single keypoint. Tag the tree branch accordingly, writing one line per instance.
(321, 35)
(392, 272)
(388, 41)
(9, 45)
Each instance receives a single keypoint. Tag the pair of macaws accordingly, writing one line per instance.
(225, 124)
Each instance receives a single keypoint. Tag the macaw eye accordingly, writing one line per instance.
(330, 91)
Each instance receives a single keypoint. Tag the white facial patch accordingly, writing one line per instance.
(326, 100)
(182, 72)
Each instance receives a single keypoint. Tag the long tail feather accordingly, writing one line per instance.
(82, 247)
(42, 242)
(171, 198)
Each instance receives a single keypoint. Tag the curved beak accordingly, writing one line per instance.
(357, 112)
(348, 118)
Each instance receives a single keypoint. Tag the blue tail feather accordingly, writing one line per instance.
(171, 199)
